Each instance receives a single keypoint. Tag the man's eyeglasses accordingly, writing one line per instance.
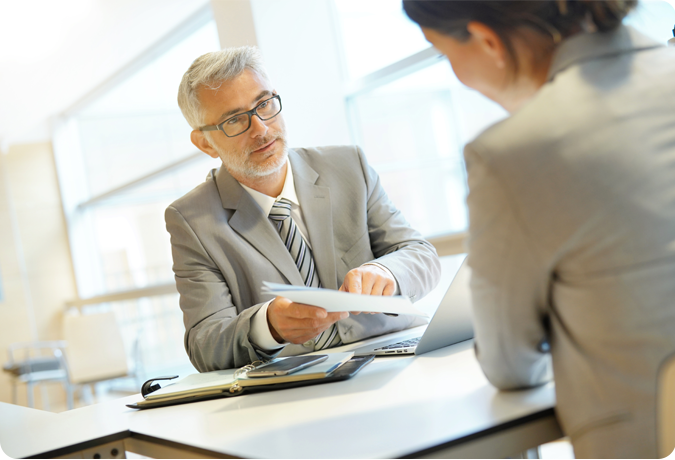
(241, 122)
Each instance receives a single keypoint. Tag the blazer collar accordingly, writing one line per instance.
(317, 212)
(248, 220)
(231, 192)
(229, 189)
(252, 225)
(590, 46)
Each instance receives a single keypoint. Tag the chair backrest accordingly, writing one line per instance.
(95, 349)
(666, 408)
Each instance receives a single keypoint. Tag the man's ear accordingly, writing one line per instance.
(489, 41)
(202, 143)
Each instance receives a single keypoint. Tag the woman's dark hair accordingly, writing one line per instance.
(556, 19)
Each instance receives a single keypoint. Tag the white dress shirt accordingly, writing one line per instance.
(260, 333)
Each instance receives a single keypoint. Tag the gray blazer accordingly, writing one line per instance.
(572, 239)
(224, 248)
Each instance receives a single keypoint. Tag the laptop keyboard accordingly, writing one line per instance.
(402, 344)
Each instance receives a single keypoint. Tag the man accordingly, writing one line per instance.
(315, 217)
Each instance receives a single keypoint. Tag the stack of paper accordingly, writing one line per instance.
(334, 301)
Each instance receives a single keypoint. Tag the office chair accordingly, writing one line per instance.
(666, 408)
(95, 350)
(37, 362)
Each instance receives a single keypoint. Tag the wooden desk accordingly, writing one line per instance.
(435, 405)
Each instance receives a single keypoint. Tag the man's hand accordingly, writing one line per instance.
(369, 280)
(296, 322)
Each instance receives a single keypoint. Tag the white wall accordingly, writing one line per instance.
(35, 266)
(299, 43)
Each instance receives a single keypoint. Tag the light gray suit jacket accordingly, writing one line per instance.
(224, 248)
(572, 239)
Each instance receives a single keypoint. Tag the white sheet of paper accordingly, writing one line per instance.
(334, 301)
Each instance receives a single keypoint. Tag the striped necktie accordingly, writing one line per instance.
(280, 215)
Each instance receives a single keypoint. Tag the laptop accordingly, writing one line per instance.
(452, 323)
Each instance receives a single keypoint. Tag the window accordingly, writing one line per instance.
(122, 158)
(413, 131)
(410, 113)
(375, 34)
(412, 116)
(135, 158)
(654, 18)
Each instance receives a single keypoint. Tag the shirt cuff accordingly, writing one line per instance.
(260, 333)
(397, 291)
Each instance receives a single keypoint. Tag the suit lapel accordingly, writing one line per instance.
(250, 223)
(316, 211)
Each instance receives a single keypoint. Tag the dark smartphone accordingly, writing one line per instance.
(286, 366)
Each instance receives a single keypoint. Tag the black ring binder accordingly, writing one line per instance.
(149, 386)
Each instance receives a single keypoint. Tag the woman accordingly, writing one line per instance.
(571, 205)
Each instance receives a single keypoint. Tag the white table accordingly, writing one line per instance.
(26, 432)
(435, 405)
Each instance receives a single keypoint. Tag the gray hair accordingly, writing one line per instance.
(211, 70)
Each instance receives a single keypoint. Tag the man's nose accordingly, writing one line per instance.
(258, 127)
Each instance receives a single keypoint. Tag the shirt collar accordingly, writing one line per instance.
(589, 46)
(266, 202)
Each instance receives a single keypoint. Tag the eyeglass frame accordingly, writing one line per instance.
(250, 113)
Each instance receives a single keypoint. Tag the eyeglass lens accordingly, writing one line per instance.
(240, 123)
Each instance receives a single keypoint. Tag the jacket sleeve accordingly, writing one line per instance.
(395, 244)
(509, 284)
(216, 333)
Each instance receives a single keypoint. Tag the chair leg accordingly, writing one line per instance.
(45, 397)
(69, 395)
(29, 391)
(87, 395)
(533, 453)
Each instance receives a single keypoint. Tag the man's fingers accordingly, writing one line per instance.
(285, 307)
(378, 286)
(280, 302)
(368, 283)
(337, 316)
(297, 322)
(290, 323)
(300, 330)
(303, 335)
(353, 281)
(301, 310)
(369, 280)
(389, 289)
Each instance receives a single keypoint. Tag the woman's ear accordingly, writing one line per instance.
(202, 143)
(489, 42)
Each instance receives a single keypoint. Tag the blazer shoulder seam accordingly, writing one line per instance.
(192, 232)
(512, 203)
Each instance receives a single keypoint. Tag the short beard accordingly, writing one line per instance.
(238, 163)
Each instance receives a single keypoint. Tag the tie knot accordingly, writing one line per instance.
(281, 210)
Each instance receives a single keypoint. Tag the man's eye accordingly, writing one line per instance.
(264, 105)
(233, 120)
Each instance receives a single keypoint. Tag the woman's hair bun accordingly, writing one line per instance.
(606, 14)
